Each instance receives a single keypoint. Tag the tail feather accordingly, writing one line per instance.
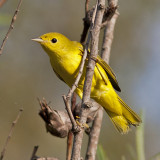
(123, 122)
(129, 114)
(120, 122)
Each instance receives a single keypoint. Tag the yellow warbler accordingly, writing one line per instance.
(65, 57)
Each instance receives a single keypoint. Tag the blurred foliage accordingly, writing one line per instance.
(140, 140)
(155, 157)
(101, 154)
(140, 143)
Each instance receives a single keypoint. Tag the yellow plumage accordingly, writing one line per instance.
(65, 57)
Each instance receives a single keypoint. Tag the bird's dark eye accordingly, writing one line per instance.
(54, 40)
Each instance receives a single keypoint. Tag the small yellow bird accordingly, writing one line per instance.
(65, 57)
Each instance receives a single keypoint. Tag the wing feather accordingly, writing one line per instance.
(111, 75)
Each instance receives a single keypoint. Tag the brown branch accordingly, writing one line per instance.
(86, 6)
(94, 136)
(74, 86)
(33, 157)
(11, 26)
(108, 38)
(69, 145)
(94, 51)
(86, 23)
(106, 48)
(68, 108)
(108, 33)
(2, 2)
(70, 134)
(95, 30)
(110, 11)
(78, 137)
(73, 100)
(10, 134)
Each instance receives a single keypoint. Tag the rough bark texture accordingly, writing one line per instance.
(94, 136)
(105, 54)
(89, 74)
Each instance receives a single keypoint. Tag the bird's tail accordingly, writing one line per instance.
(124, 121)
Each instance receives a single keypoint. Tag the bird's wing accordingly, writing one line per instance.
(111, 75)
(109, 72)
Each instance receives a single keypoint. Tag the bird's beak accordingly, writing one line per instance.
(37, 40)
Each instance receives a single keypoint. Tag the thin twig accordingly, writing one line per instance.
(11, 26)
(34, 152)
(86, 6)
(68, 108)
(2, 2)
(95, 30)
(10, 134)
(70, 134)
(34, 157)
(69, 145)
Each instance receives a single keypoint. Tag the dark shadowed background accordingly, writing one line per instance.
(25, 74)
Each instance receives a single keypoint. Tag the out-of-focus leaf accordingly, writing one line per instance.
(101, 154)
(140, 140)
(132, 152)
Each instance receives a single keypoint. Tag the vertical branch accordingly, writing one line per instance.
(86, 6)
(69, 145)
(94, 136)
(108, 32)
(86, 24)
(70, 134)
(94, 51)
(89, 74)
(106, 49)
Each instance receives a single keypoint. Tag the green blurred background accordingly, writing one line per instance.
(25, 74)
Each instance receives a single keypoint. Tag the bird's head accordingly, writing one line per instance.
(54, 43)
